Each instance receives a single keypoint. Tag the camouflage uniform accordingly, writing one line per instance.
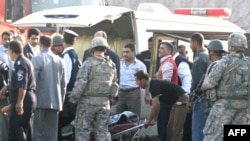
(228, 84)
(93, 109)
(218, 51)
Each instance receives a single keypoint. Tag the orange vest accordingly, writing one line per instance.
(174, 78)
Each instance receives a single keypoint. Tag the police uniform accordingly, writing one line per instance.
(22, 77)
(70, 58)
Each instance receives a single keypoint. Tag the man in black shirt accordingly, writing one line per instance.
(112, 55)
(168, 93)
(144, 56)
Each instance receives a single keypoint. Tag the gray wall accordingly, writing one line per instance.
(240, 8)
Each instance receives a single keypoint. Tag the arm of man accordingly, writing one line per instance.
(20, 99)
(68, 65)
(154, 111)
(213, 77)
(199, 69)
(185, 76)
(81, 82)
(63, 81)
(37, 66)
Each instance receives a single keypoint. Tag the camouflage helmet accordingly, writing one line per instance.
(99, 41)
(238, 40)
(57, 40)
(215, 45)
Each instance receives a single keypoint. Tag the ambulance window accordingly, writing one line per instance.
(38, 5)
(14, 10)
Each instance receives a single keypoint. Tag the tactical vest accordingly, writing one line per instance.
(102, 78)
(234, 82)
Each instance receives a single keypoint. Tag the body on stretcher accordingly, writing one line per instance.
(123, 126)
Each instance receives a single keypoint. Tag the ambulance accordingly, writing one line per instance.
(124, 25)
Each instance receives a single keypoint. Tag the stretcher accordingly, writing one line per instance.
(122, 127)
(130, 134)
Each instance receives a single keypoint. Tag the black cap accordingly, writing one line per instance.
(69, 33)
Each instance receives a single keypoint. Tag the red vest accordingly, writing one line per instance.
(174, 78)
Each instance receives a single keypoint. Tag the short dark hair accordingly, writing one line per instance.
(182, 46)
(8, 33)
(169, 46)
(33, 31)
(131, 46)
(68, 39)
(45, 41)
(141, 75)
(150, 39)
(198, 37)
(16, 47)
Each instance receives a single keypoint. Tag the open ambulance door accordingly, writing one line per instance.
(179, 37)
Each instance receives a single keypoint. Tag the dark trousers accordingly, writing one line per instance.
(20, 128)
(187, 132)
(66, 116)
(162, 120)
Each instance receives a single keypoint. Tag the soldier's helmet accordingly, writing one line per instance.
(237, 40)
(215, 45)
(99, 42)
(57, 40)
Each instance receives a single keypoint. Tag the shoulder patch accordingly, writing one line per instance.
(18, 62)
(19, 75)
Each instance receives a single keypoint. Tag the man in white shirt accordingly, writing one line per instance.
(184, 72)
(129, 94)
(72, 63)
(185, 80)
(4, 58)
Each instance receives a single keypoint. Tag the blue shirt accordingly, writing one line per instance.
(127, 78)
(6, 59)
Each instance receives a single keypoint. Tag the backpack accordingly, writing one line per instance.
(102, 78)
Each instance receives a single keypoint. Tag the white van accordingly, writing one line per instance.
(124, 25)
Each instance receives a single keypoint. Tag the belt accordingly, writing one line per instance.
(182, 99)
(129, 89)
(180, 103)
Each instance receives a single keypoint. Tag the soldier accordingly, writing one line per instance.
(96, 84)
(112, 55)
(229, 77)
(57, 47)
(216, 52)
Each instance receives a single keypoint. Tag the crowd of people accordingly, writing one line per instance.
(45, 86)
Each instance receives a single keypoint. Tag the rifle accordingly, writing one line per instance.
(197, 93)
